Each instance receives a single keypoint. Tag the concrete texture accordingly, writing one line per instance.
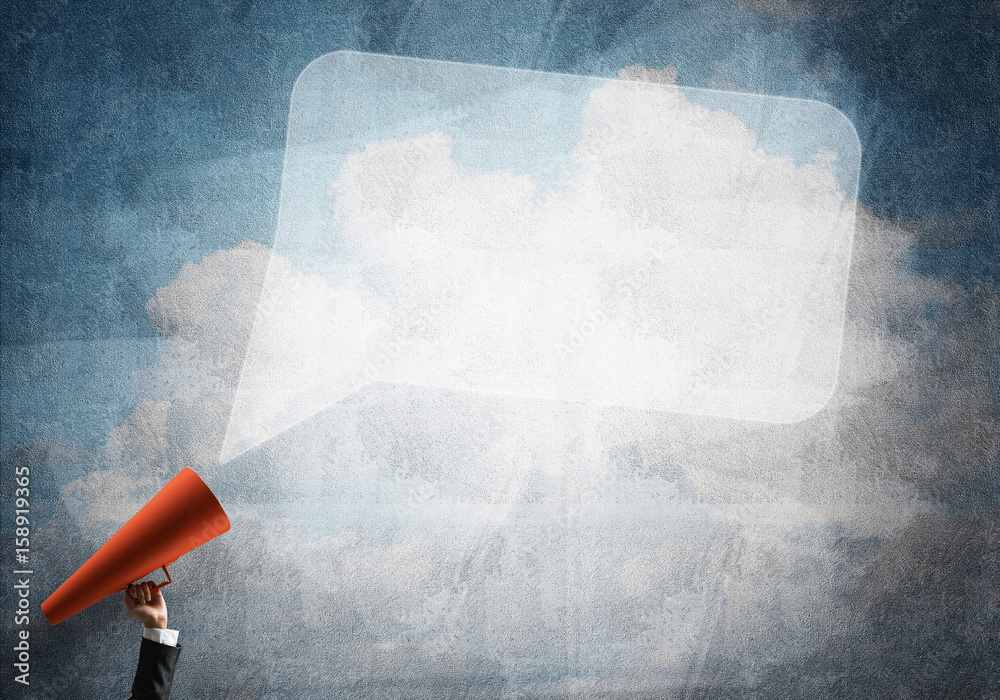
(413, 542)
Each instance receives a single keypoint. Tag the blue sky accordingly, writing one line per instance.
(138, 138)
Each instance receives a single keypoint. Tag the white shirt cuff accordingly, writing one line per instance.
(155, 634)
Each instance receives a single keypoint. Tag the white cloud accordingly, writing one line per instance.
(421, 530)
(142, 437)
(102, 501)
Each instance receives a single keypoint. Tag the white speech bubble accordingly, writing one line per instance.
(615, 242)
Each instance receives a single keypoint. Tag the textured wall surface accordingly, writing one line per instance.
(412, 542)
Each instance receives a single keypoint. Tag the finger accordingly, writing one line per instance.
(145, 592)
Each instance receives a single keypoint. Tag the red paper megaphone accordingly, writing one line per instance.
(185, 514)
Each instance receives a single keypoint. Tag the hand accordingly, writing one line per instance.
(146, 604)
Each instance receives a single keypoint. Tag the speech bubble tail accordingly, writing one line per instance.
(248, 428)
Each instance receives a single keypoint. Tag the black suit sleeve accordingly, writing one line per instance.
(156, 671)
